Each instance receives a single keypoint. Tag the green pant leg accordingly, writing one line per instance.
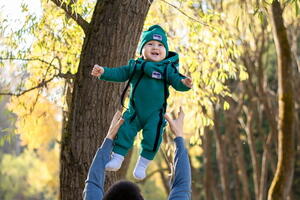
(126, 134)
(149, 135)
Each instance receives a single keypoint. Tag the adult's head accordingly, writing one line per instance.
(123, 190)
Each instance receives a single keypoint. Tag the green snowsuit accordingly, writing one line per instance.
(148, 94)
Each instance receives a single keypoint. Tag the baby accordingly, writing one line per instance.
(149, 77)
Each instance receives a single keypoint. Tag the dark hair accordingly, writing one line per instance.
(123, 190)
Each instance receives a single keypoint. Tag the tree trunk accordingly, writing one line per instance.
(222, 162)
(232, 132)
(264, 166)
(208, 173)
(251, 141)
(196, 181)
(111, 40)
(296, 181)
(282, 181)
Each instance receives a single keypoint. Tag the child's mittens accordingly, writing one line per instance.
(140, 168)
(97, 70)
(115, 162)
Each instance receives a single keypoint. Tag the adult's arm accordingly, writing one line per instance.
(94, 184)
(181, 185)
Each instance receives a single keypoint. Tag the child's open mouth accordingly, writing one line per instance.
(155, 54)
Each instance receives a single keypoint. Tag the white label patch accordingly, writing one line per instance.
(156, 75)
(157, 37)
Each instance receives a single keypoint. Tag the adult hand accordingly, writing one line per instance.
(176, 125)
(188, 82)
(115, 124)
(97, 70)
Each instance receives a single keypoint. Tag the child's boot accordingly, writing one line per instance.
(115, 162)
(140, 168)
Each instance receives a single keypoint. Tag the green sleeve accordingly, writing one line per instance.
(118, 74)
(174, 78)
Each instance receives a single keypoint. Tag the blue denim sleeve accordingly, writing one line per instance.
(181, 185)
(94, 184)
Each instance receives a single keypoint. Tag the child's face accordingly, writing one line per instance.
(154, 51)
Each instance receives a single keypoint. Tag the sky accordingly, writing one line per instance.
(12, 11)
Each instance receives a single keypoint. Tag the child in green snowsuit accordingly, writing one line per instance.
(149, 77)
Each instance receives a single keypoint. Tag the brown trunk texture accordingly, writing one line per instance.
(222, 162)
(111, 41)
(232, 131)
(251, 142)
(282, 181)
(208, 173)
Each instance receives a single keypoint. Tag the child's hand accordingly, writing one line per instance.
(188, 82)
(97, 71)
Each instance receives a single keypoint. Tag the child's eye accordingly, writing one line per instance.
(160, 45)
(150, 44)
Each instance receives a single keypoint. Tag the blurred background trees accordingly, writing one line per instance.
(232, 113)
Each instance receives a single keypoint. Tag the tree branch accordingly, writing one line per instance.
(182, 12)
(67, 75)
(26, 59)
(41, 84)
(75, 16)
(44, 82)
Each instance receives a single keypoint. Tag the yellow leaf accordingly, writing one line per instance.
(226, 105)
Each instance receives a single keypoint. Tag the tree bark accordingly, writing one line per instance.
(222, 162)
(282, 181)
(196, 181)
(232, 132)
(208, 173)
(251, 141)
(264, 166)
(111, 40)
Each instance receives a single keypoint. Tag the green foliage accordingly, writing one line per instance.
(27, 176)
(7, 120)
(39, 48)
(6, 138)
(294, 3)
(151, 191)
(208, 53)
(211, 42)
